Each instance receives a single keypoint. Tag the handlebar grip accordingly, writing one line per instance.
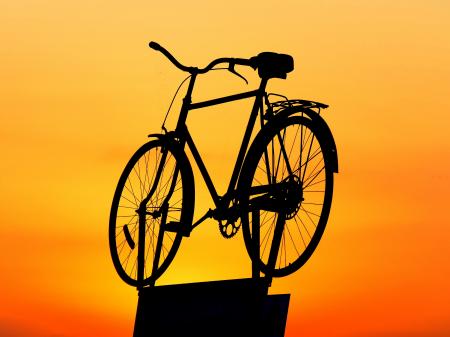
(154, 45)
(246, 62)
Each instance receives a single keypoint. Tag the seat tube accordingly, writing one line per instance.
(247, 135)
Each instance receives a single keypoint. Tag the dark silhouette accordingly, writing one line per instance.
(239, 308)
(280, 190)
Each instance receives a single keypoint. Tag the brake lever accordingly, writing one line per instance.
(231, 70)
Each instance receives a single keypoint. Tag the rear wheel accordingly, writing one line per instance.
(153, 207)
(286, 190)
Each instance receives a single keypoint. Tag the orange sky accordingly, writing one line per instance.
(80, 90)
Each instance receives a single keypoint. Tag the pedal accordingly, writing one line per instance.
(178, 227)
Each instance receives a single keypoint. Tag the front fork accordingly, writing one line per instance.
(161, 213)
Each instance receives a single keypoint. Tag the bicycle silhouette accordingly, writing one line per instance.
(280, 189)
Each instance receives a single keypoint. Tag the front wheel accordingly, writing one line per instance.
(285, 195)
(153, 203)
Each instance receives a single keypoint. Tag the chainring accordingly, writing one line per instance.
(229, 229)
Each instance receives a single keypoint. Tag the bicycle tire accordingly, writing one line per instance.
(134, 184)
(303, 219)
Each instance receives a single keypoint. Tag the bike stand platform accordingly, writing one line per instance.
(231, 308)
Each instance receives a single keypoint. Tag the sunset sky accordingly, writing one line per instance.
(80, 90)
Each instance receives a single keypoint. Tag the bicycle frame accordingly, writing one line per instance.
(182, 133)
(270, 182)
(184, 137)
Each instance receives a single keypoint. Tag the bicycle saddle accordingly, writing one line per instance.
(273, 65)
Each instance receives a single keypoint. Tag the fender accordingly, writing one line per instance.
(169, 139)
(319, 123)
(164, 137)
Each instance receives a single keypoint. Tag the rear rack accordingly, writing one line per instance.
(281, 105)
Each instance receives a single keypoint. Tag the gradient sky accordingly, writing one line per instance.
(80, 90)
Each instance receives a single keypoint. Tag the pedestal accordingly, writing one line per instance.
(232, 308)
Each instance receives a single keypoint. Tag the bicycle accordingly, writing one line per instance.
(280, 188)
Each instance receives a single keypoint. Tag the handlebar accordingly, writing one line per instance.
(194, 70)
